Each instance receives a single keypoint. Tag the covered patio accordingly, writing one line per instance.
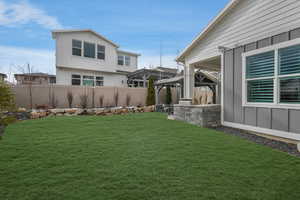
(186, 110)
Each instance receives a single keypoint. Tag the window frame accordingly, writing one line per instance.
(95, 50)
(129, 60)
(276, 103)
(100, 51)
(80, 79)
(123, 60)
(81, 48)
(102, 81)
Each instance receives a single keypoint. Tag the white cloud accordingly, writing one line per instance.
(12, 14)
(11, 58)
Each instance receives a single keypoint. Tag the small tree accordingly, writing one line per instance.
(150, 93)
(101, 101)
(84, 101)
(168, 96)
(116, 98)
(7, 103)
(70, 98)
(54, 101)
(128, 99)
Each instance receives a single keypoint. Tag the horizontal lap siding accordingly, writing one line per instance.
(272, 118)
(250, 20)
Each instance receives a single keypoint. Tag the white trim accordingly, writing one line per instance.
(272, 47)
(54, 32)
(276, 77)
(222, 86)
(282, 134)
(209, 27)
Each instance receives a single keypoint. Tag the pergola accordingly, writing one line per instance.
(140, 77)
(202, 79)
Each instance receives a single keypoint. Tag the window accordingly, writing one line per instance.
(88, 81)
(76, 80)
(99, 81)
(120, 60)
(272, 75)
(76, 47)
(259, 73)
(101, 52)
(127, 60)
(89, 50)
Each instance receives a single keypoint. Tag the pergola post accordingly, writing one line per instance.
(189, 84)
(156, 95)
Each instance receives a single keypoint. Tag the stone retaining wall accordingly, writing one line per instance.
(202, 115)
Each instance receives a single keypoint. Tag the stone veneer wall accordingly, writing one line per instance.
(202, 115)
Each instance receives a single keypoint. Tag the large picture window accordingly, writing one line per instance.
(89, 50)
(272, 75)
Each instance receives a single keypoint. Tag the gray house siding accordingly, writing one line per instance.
(271, 118)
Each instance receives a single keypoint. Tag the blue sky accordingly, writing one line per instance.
(136, 25)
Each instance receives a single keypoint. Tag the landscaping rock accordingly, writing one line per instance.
(35, 115)
(71, 111)
(57, 111)
(21, 110)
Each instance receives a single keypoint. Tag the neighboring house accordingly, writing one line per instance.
(140, 78)
(2, 77)
(255, 45)
(35, 79)
(84, 57)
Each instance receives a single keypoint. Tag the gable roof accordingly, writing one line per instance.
(208, 28)
(54, 32)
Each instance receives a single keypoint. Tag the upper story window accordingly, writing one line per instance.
(272, 75)
(127, 60)
(101, 52)
(76, 47)
(120, 60)
(124, 60)
(89, 50)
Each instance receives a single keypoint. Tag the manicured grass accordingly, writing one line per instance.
(138, 157)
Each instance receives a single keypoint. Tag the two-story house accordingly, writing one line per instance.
(84, 57)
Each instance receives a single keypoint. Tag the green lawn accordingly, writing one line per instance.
(138, 157)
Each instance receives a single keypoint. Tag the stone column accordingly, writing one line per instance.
(189, 84)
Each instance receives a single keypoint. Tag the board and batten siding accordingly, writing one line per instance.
(249, 21)
(270, 118)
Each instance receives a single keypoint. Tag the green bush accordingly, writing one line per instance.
(7, 100)
(151, 93)
(7, 103)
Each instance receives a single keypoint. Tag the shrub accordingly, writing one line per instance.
(168, 96)
(116, 98)
(84, 101)
(54, 101)
(70, 98)
(7, 103)
(7, 100)
(101, 101)
(150, 93)
(128, 99)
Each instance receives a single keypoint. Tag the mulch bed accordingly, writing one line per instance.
(281, 146)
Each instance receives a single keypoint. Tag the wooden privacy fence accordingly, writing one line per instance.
(56, 96)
